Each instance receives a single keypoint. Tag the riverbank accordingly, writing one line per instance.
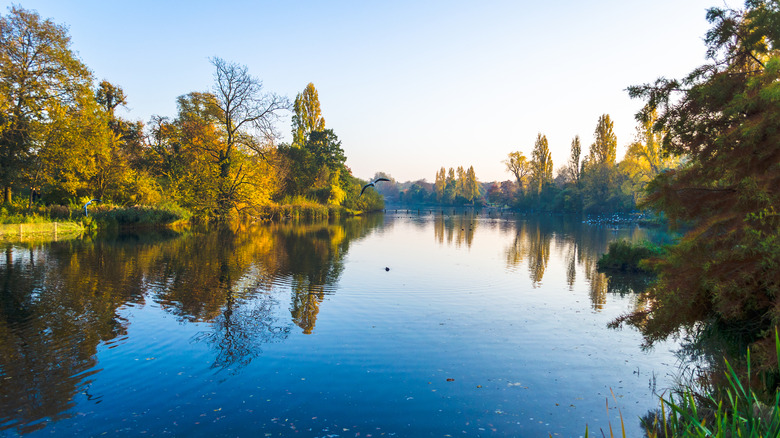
(40, 231)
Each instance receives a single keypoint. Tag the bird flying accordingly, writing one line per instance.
(86, 213)
(371, 184)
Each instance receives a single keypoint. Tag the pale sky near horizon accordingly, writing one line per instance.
(409, 86)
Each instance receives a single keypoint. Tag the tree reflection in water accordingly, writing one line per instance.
(54, 312)
(581, 244)
(59, 301)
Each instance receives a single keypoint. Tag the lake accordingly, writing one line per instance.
(404, 324)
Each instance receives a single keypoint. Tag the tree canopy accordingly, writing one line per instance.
(723, 117)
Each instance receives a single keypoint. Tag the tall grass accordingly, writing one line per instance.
(736, 411)
(300, 208)
(733, 411)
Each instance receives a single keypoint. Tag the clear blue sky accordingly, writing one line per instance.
(408, 86)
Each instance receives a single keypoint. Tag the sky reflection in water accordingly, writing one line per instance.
(492, 326)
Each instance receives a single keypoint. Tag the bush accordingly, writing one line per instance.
(139, 215)
(623, 255)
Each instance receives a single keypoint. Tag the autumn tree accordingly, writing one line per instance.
(541, 164)
(39, 72)
(440, 184)
(471, 185)
(519, 166)
(723, 277)
(600, 180)
(307, 116)
(233, 125)
(644, 158)
(604, 148)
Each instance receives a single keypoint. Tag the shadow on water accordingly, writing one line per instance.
(60, 300)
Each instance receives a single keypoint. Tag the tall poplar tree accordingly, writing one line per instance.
(307, 115)
(440, 184)
(471, 186)
(604, 147)
(541, 164)
(573, 167)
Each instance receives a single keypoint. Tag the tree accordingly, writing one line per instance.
(573, 167)
(328, 158)
(245, 116)
(604, 147)
(599, 175)
(307, 116)
(644, 158)
(724, 275)
(440, 184)
(450, 187)
(460, 183)
(110, 96)
(519, 166)
(541, 164)
(471, 186)
(39, 71)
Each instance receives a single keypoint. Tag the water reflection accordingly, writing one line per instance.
(580, 245)
(60, 301)
(455, 229)
(54, 311)
(244, 287)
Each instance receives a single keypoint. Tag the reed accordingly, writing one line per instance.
(732, 411)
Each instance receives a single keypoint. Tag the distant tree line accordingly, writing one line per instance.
(594, 183)
(62, 142)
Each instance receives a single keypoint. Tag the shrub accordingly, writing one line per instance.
(623, 255)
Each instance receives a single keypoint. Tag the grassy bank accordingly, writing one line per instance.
(40, 231)
(17, 222)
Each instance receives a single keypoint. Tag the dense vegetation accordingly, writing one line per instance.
(62, 143)
(723, 277)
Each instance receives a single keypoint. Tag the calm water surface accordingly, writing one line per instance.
(482, 326)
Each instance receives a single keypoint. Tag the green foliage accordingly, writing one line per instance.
(541, 165)
(139, 215)
(623, 255)
(454, 187)
(724, 272)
